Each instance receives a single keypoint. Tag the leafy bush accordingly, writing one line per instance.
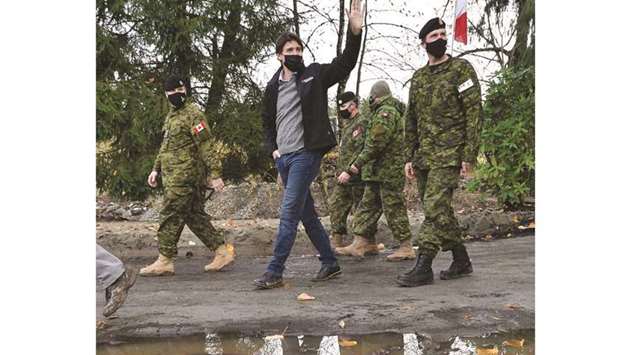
(506, 167)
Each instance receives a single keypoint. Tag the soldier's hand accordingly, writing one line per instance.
(354, 169)
(409, 172)
(344, 177)
(152, 180)
(275, 154)
(466, 169)
(279, 180)
(217, 184)
(356, 16)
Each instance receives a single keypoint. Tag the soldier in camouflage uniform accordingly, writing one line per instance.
(346, 196)
(380, 164)
(185, 160)
(443, 129)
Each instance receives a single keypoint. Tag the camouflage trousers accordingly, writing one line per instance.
(381, 198)
(343, 199)
(185, 205)
(440, 229)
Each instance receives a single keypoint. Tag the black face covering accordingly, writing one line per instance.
(177, 99)
(346, 114)
(294, 62)
(437, 48)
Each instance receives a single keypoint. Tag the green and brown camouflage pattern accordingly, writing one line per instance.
(444, 115)
(344, 199)
(185, 161)
(440, 229)
(378, 198)
(351, 143)
(383, 157)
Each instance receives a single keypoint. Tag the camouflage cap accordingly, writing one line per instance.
(380, 89)
(430, 26)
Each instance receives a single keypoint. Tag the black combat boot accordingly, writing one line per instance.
(421, 274)
(461, 265)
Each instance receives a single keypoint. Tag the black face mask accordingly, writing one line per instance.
(346, 114)
(294, 62)
(437, 48)
(177, 99)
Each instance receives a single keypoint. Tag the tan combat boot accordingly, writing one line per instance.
(224, 255)
(336, 241)
(360, 247)
(404, 252)
(161, 267)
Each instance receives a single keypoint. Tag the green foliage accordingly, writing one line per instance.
(129, 120)
(507, 139)
(215, 45)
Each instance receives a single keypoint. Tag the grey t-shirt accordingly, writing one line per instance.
(290, 130)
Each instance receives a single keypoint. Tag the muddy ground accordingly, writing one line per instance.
(498, 297)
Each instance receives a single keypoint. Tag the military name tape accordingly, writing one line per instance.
(466, 85)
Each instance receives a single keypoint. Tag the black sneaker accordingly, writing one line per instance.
(268, 280)
(328, 272)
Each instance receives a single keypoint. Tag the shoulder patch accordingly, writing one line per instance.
(466, 85)
(199, 127)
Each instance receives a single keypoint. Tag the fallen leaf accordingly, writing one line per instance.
(488, 237)
(487, 351)
(381, 246)
(531, 225)
(467, 316)
(341, 324)
(274, 337)
(514, 343)
(513, 306)
(346, 343)
(522, 227)
(305, 297)
(461, 211)
(101, 324)
(515, 219)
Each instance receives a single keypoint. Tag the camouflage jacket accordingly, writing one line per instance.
(186, 154)
(382, 158)
(351, 144)
(444, 115)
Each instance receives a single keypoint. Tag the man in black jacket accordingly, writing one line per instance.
(297, 135)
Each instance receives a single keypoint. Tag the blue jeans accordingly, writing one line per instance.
(297, 170)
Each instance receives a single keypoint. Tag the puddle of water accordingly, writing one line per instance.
(515, 343)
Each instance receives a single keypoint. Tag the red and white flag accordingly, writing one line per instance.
(460, 21)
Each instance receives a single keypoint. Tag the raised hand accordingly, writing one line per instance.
(356, 16)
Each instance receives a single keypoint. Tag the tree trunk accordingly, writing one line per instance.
(225, 56)
(525, 18)
(296, 17)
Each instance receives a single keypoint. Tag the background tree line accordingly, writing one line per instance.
(218, 46)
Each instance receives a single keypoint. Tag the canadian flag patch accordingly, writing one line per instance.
(357, 132)
(199, 127)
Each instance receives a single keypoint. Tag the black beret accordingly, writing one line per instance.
(346, 97)
(432, 25)
(174, 82)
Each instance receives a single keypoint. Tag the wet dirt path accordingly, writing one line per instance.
(498, 296)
